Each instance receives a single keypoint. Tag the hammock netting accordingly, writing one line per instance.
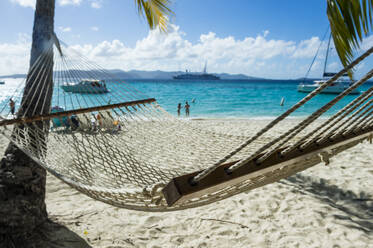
(115, 144)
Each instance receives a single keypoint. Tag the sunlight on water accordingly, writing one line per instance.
(234, 98)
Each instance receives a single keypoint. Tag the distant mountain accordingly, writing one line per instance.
(153, 74)
(14, 76)
(237, 76)
(137, 74)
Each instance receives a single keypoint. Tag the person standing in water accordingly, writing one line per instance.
(187, 106)
(12, 106)
(178, 109)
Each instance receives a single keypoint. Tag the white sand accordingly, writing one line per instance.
(325, 206)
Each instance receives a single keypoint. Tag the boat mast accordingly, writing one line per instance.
(327, 54)
(205, 69)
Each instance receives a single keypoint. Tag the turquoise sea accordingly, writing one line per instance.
(217, 99)
(234, 98)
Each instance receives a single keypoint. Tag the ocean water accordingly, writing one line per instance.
(235, 98)
(219, 99)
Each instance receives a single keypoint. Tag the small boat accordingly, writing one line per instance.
(338, 86)
(87, 86)
(2, 82)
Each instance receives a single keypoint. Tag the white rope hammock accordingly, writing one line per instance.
(120, 147)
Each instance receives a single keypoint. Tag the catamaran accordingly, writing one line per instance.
(336, 87)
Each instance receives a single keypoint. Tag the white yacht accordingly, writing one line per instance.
(87, 86)
(338, 86)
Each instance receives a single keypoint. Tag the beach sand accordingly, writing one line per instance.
(324, 206)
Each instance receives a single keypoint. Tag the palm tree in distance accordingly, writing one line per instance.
(22, 181)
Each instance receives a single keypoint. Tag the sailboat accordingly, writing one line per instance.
(337, 87)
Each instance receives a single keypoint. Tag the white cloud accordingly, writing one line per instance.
(94, 28)
(307, 48)
(65, 29)
(15, 56)
(96, 4)
(252, 55)
(69, 2)
(25, 3)
(256, 56)
(31, 3)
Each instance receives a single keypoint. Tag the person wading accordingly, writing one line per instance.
(178, 109)
(12, 106)
(187, 106)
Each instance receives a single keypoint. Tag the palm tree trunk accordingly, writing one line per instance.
(22, 181)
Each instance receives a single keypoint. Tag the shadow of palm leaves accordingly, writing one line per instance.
(358, 208)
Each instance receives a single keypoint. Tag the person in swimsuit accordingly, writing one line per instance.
(12, 106)
(187, 106)
(178, 109)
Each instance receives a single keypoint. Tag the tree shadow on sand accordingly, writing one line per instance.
(49, 235)
(358, 208)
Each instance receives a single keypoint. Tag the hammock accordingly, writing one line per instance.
(115, 144)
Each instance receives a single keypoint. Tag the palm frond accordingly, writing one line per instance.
(350, 21)
(156, 12)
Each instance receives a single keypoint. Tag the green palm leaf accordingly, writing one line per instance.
(156, 12)
(350, 21)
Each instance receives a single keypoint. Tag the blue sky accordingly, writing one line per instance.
(264, 38)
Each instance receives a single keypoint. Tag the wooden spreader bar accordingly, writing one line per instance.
(72, 112)
(181, 189)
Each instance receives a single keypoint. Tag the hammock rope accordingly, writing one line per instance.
(280, 118)
(117, 145)
(291, 133)
(322, 132)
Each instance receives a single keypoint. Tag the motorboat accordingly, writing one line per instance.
(87, 86)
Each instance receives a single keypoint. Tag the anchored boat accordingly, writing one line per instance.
(197, 76)
(336, 87)
(87, 86)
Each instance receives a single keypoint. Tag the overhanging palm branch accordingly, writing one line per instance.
(350, 21)
(156, 12)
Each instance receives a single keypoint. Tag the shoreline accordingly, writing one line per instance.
(259, 118)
